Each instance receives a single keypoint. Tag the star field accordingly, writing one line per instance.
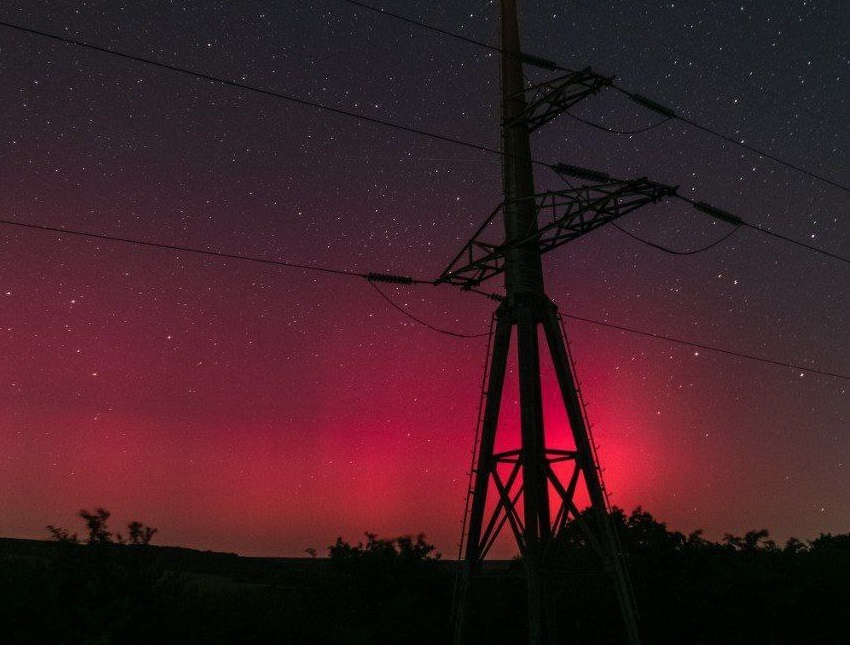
(244, 407)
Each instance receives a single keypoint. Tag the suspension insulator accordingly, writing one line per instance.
(652, 105)
(537, 61)
(581, 173)
(388, 277)
(718, 213)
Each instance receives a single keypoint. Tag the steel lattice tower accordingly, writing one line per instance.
(524, 480)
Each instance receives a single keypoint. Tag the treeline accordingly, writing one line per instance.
(104, 588)
(742, 590)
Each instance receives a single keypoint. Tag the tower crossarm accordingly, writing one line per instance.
(561, 217)
(547, 100)
(572, 213)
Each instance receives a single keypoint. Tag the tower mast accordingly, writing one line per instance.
(531, 476)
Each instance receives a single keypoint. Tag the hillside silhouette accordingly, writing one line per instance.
(107, 587)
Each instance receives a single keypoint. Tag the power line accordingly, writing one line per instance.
(251, 88)
(711, 348)
(411, 21)
(733, 219)
(724, 216)
(270, 93)
(670, 114)
(642, 100)
(378, 277)
(422, 322)
(673, 251)
(709, 63)
(612, 130)
(797, 242)
(681, 341)
(537, 61)
(372, 278)
(663, 110)
(762, 153)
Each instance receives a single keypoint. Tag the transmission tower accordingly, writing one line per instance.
(525, 480)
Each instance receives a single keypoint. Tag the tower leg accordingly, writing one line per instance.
(535, 532)
(611, 555)
(484, 466)
(535, 489)
(485, 463)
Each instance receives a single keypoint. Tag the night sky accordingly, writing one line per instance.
(245, 407)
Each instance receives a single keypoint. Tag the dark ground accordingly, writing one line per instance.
(689, 591)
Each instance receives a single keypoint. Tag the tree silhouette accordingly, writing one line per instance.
(101, 588)
(751, 542)
(140, 534)
(108, 589)
(96, 525)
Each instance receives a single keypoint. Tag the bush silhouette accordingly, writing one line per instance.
(106, 588)
(100, 587)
